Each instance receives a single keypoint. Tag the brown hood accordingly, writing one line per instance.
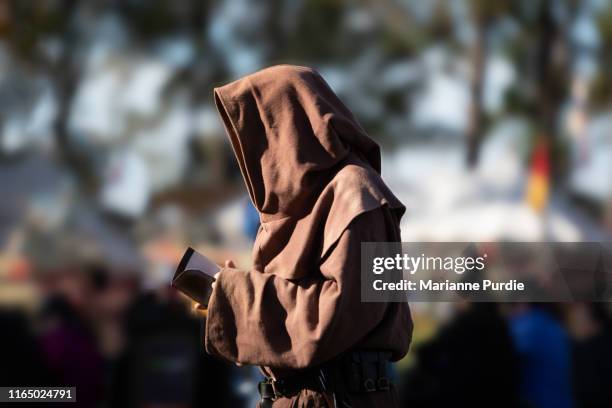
(292, 137)
(268, 115)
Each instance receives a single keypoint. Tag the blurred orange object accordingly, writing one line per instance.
(14, 268)
(19, 269)
(539, 176)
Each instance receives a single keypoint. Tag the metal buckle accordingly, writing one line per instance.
(383, 384)
(275, 387)
(369, 385)
(266, 390)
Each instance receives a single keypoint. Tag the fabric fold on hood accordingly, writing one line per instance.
(308, 165)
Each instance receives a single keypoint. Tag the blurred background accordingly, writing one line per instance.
(495, 120)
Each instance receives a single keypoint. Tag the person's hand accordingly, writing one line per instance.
(198, 309)
(228, 264)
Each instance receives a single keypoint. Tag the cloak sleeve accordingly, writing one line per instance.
(263, 319)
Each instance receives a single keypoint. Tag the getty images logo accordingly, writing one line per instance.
(413, 264)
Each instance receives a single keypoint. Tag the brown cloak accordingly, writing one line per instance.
(313, 175)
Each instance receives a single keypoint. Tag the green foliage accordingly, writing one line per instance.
(601, 87)
(489, 10)
(30, 21)
(601, 91)
(316, 33)
(153, 18)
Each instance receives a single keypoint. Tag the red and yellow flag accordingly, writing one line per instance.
(539, 176)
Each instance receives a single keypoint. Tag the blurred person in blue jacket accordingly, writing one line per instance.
(544, 351)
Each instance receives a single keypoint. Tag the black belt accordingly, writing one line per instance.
(290, 386)
(354, 372)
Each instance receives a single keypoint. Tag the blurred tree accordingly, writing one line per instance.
(29, 25)
(601, 87)
(541, 55)
(483, 14)
(552, 79)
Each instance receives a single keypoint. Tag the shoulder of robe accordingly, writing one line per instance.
(353, 191)
(287, 247)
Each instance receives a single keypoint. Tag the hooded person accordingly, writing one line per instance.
(313, 175)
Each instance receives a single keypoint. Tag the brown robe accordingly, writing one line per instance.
(313, 175)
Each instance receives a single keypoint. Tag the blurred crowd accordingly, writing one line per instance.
(118, 345)
(495, 120)
(124, 341)
(514, 355)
